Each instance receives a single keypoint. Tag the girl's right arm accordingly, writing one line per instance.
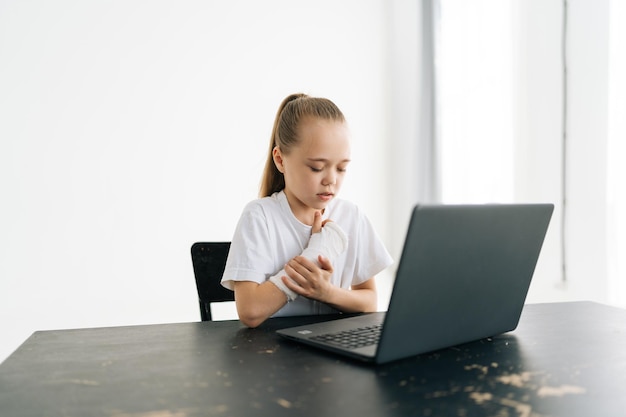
(257, 302)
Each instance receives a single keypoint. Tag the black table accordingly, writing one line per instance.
(565, 359)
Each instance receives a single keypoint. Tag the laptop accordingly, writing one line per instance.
(463, 276)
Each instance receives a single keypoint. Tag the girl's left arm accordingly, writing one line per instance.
(366, 296)
(312, 281)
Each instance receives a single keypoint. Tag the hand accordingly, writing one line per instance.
(309, 280)
(318, 223)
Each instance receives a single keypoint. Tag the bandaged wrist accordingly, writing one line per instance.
(330, 242)
(278, 281)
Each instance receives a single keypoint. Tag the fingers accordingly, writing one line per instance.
(300, 266)
(295, 282)
(325, 263)
(317, 223)
(306, 278)
(289, 282)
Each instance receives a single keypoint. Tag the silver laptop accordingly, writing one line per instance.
(464, 274)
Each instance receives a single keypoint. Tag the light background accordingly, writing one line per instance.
(131, 129)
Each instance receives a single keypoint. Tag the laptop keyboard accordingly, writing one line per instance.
(354, 338)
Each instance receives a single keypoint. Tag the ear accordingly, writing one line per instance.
(278, 159)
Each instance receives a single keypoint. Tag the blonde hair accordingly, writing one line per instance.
(285, 133)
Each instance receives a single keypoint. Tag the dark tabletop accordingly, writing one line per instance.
(564, 359)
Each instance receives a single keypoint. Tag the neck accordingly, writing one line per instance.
(302, 212)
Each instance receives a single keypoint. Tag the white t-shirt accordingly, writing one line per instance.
(268, 235)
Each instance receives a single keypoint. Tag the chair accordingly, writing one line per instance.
(209, 261)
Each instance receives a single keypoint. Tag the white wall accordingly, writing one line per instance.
(131, 129)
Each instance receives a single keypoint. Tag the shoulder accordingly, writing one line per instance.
(265, 213)
(263, 205)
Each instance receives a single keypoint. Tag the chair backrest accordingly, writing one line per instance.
(209, 261)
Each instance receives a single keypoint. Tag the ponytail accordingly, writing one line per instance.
(285, 133)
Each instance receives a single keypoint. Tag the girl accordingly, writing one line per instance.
(299, 250)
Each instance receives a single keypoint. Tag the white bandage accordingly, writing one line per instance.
(330, 242)
(278, 281)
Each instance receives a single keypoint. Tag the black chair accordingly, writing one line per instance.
(209, 261)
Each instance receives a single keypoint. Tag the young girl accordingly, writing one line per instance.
(299, 250)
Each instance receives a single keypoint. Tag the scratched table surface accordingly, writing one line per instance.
(564, 359)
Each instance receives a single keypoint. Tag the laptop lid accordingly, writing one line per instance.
(463, 275)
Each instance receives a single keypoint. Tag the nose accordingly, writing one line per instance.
(330, 178)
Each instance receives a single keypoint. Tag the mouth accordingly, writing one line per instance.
(325, 196)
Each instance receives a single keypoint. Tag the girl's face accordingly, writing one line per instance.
(315, 168)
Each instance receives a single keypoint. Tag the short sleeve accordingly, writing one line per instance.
(251, 257)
